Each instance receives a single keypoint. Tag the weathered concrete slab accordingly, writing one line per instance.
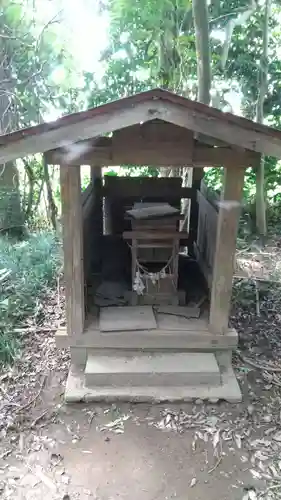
(172, 369)
(122, 318)
(228, 390)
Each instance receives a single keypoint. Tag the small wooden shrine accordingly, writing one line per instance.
(147, 302)
(155, 239)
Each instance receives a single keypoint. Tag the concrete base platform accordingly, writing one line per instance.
(228, 390)
(152, 369)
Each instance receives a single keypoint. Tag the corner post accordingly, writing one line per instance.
(197, 176)
(72, 230)
(97, 215)
(227, 225)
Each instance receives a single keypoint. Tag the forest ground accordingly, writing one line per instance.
(145, 452)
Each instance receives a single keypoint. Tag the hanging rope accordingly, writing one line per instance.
(143, 275)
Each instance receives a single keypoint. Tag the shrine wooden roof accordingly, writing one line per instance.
(137, 109)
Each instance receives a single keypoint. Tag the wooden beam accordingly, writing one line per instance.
(195, 337)
(223, 156)
(71, 201)
(153, 235)
(143, 152)
(229, 130)
(153, 132)
(70, 134)
(228, 219)
(173, 109)
(139, 191)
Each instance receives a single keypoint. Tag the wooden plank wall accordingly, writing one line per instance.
(207, 230)
(92, 225)
(87, 215)
(122, 192)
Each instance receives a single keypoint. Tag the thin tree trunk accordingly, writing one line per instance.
(204, 75)
(11, 215)
(51, 202)
(164, 171)
(263, 86)
(40, 191)
(202, 41)
(30, 197)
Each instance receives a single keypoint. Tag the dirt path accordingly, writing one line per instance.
(77, 455)
(141, 452)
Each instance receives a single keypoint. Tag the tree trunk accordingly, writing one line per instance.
(30, 196)
(52, 208)
(11, 215)
(40, 191)
(202, 41)
(263, 86)
(204, 75)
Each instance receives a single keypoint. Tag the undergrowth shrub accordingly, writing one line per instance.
(28, 269)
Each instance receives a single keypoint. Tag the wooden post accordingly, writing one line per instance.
(198, 174)
(73, 248)
(97, 217)
(228, 219)
(96, 179)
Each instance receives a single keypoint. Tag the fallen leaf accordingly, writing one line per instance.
(252, 495)
(44, 478)
(193, 482)
(55, 459)
(216, 439)
(255, 474)
(238, 441)
(277, 437)
(65, 479)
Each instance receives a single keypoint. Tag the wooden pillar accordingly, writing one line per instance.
(72, 248)
(97, 216)
(197, 176)
(96, 179)
(228, 219)
(107, 215)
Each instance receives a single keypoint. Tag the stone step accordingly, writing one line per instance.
(158, 369)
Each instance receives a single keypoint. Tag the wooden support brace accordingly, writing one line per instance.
(72, 248)
(228, 218)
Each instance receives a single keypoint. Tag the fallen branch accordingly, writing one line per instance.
(215, 466)
(260, 367)
(270, 488)
(36, 420)
(258, 310)
(24, 407)
(5, 454)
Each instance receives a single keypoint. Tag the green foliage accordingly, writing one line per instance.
(34, 51)
(111, 173)
(38, 76)
(85, 181)
(135, 171)
(27, 271)
(152, 43)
